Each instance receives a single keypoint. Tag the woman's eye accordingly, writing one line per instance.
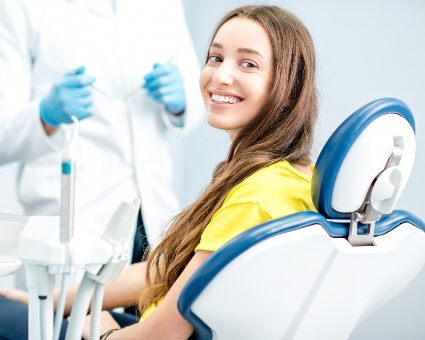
(215, 59)
(247, 64)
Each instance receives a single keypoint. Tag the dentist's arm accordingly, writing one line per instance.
(22, 135)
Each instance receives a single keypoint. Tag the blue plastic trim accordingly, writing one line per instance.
(66, 168)
(338, 145)
(383, 226)
(227, 253)
(393, 220)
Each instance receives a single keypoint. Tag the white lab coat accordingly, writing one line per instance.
(120, 154)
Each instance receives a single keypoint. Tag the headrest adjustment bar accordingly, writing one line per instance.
(368, 217)
(396, 154)
(366, 214)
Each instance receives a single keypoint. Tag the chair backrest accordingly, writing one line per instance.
(317, 275)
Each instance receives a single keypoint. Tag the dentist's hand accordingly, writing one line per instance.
(69, 96)
(165, 85)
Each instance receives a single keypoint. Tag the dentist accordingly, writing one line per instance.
(60, 58)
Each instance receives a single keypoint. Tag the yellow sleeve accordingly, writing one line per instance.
(228, 222)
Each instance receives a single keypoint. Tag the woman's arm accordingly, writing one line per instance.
(125, 290)
(121, 292)
(166, 321)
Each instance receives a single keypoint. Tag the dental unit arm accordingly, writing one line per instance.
(50, 246)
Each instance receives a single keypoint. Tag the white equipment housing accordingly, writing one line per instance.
(11, 227)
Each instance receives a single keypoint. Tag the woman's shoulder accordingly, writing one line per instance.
(269, 182)
(279, 171)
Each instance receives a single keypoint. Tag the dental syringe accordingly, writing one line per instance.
(118, 104)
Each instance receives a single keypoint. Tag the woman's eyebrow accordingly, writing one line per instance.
(217, 45)
(249, 51)
(240, 50)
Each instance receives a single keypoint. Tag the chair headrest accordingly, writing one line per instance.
(370, 155)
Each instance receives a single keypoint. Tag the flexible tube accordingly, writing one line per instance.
(79, 309)
(96, 308)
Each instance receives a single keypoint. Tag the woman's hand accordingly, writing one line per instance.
(107, 322)
(15, 295)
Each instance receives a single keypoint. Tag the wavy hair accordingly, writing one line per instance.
(282, 129)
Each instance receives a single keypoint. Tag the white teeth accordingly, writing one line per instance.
(224, 99)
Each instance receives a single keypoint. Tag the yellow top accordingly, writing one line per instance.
(274, 191)
(271, 192)
(150, 310)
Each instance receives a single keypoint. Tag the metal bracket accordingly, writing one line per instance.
(365, 239)
(366, 214)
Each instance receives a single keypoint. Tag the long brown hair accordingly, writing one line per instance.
(283, 129)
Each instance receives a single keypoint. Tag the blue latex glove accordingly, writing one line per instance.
(69, 96)
(165, 85)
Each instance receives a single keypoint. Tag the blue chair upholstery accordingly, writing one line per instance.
(300, 276)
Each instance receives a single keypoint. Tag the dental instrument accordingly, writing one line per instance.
(118, 104)
(50, 246)
(68, 187)
(66, 218)
(134, 91)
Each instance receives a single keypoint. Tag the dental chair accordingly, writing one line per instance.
(318, 275)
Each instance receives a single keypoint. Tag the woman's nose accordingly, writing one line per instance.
(223, 75)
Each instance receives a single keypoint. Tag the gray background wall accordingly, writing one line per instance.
(366, 49)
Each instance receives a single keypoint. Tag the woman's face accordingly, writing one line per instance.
(236, 80)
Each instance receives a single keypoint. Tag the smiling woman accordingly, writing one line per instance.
(258, 83)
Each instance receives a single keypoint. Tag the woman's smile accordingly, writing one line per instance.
(223, 97)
